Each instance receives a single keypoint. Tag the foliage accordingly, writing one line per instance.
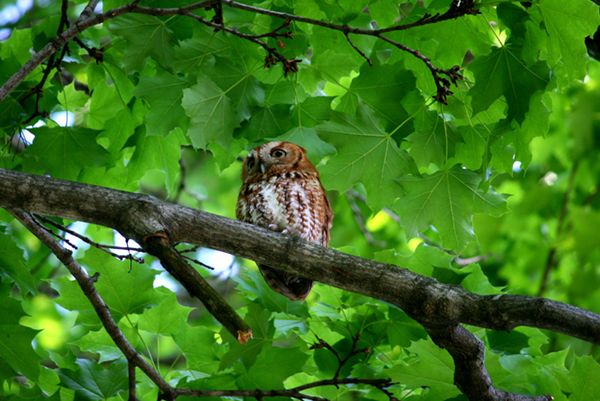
(505, 171)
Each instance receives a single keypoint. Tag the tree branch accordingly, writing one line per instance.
(438, 307)
(102, 247)
(85, 21)
(159, 245)
(295, 392)
(87, 286)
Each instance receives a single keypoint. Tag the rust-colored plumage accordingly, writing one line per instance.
(281, 191)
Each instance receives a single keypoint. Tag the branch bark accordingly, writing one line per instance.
(438, 307)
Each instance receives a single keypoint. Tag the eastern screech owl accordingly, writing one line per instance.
(281, 191)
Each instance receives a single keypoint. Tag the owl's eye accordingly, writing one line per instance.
(279, 153)
(251, 162)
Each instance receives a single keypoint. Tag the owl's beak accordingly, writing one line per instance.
(263, 167)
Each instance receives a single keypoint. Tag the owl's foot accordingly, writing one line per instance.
(275, 227)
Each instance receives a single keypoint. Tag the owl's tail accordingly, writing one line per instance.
(294, 287)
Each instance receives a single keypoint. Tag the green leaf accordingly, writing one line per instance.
(192, 54)
(447, 200)
(366, 154)
(125, 289)
(312, 111)
(384, 12)
(260, 320)
(255, 287)
(333, 56)
(426, 258)
(164, 93)
(156, 152)
(71, 99)
(210, 111)
(93, 382)
(402, 330)
(16, 348)
(121, 126)
(101, 343)
(470, 152)
(272, 367)
(268, 122)
(433, 368)
(382, 88)
(72, 298)
(18, 45)
(107, 101)
(225, 157)
(456, 37)
(477, 282)
(196, 344)
(10, 112)
(64, 151)
(581, 381)
(237, 81)
(146, 36)
(434, 142)
(503, 73)
(566, 40)
(13, 265)
(164, 318)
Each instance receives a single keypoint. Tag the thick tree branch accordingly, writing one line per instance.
(438, 307)
(137, 216)
(470, 376)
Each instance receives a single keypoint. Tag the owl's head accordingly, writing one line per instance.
(274, 157)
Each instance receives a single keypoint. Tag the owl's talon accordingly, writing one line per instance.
(273, 227)
(285, 232)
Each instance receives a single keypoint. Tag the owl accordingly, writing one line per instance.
(281, 191)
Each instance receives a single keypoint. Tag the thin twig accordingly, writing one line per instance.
(85, 21)
(441, 83)
(295, 392)
(551, 261)
(357, 49)
(457, 259)
(85, 239)
(273, 56)
(363, 199)
(341, 362)
(360, 221)
(198, 262)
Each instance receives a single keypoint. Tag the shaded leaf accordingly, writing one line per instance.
(447, 200)
(366, 154)
(93, 382)
(64, 151)
(210, 111)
